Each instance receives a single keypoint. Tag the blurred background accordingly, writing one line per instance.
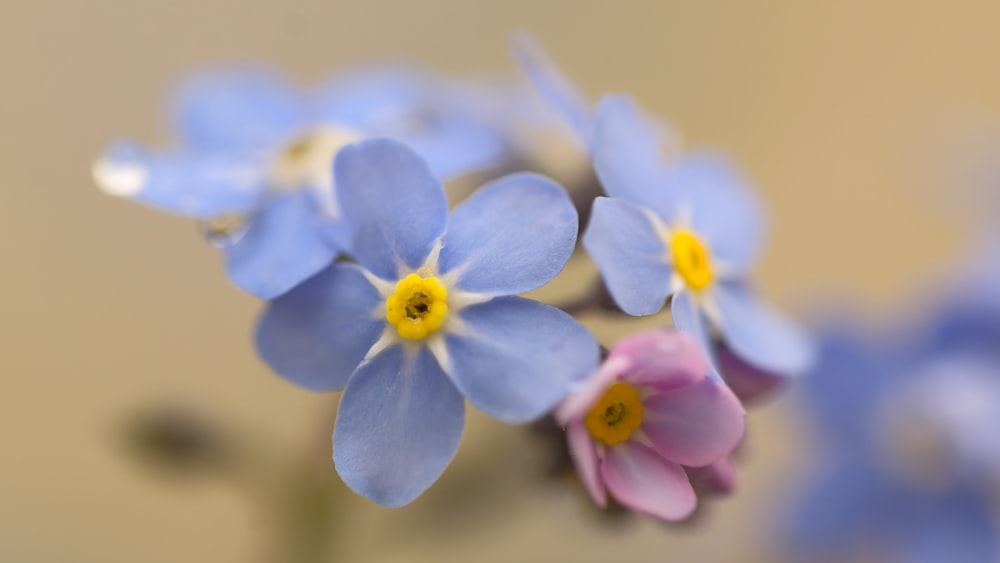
(855, 120)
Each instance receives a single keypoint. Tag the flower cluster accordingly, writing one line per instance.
(911, 464)
(328, 204)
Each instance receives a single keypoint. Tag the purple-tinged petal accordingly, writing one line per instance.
(513, 235)
(284, 245)
(238, 108)
(193, 184)
(316, 334)
(623, 241)
(517, 358)
(628, 156)
(399, 424)
(694, 425)
(722, 207)
(662, 358)
(577, 404)
(688, 318)
(396, 210)
(642, 480)
(581, 448)
(719, 478)
(749, 383)
(759, 335)
(553, 85)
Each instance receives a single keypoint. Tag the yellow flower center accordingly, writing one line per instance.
(418, 307)
(616, 415)
(692, 260)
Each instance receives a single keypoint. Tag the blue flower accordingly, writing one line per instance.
(687, 228)
(911, 462)
(427, 316)
(253, 162)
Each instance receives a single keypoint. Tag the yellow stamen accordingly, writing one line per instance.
(616, 415)
(418, 307)
(692, 260)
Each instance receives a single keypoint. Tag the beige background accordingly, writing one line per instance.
(842, 112)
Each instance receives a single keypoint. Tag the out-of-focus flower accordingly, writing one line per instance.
(687, 228)
(427, 316)
(254, 160)
(645, 415)
(912, 464)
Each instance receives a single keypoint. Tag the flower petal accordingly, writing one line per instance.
(398, 427)
(455, 147)
(623, 242)
(517, 358)
(581, 448)
(719, 478)
(628, 155)
(694, 425)
(689, 319)
(724, 210)
(553, 85)
(760, 336)
(200, 185)
(662, 358)
(749, 383)
(959, 527)
(237, 108)
(513, 235)
(396, 210)
(642, 480)
(316, 334)
(284, 245)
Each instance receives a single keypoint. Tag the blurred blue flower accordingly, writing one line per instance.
(686, 227)
(428, 316)
(911, 467)
(255, 153)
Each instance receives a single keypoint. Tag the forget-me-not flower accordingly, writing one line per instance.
(253, 161)
(911, 463)
(686, 228)
(646, 415)
(427, 317)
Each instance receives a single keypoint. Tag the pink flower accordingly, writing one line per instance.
(649, 412)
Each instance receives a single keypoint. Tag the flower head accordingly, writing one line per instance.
(685, 227)
(253, 162)
(428, 317)
(647, 414)
(911, 464)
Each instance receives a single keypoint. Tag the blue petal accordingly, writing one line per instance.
(201, 185)
(958, 528)
(453, 148)
(238, 108)
(628, 156)
(284, 245)
(316, 334)
(518, 357)
(689, 319)
(513, 235)
(723, 208)
(759, 335)
(398, 427)
(374, 99)
(553, 85)
(623, 242)
(397, 211)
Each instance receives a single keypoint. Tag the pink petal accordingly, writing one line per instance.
(577, 404)
(748, 382)
(718, 478)
(694, 425)
(662, 358)
(584, 454)
(642, 480)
